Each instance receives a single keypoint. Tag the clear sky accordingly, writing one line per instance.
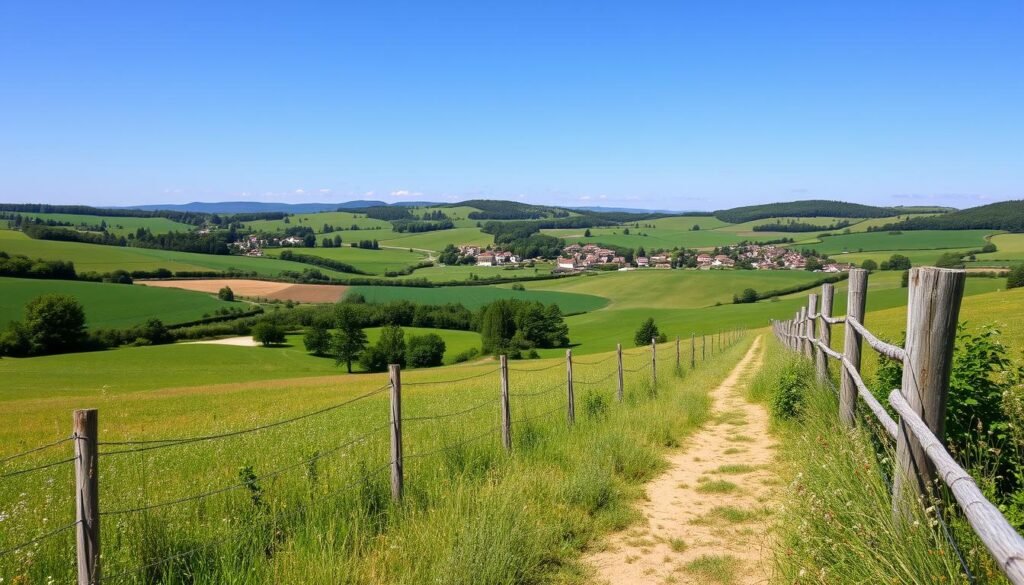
(681, 105)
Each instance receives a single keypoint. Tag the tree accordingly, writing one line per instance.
(647, 331)
(586, 233)
(53, 324)
(812, 264)
(748, 295)
(425, 351)
(268, 333)
(318, 339)
(349, 341)
(497, 325)
(695, 228)
(899, 262)
(640, 252)
(1015, 279)
(950, 260)
(390, 349)
(309, 240)
(869, 264)
(226, 294)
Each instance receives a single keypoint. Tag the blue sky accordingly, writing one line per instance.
(680, 105)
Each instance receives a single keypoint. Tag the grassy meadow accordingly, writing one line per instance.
(111, 305)
(474, 297)
(371, 261)
(308, 501)
(906, 240)
(119, 226)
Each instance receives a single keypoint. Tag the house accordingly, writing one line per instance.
(291, 241)
(659, 259)
(723, 261)
(704, 260)
(567, 264)
(485, 260)
(643, 261)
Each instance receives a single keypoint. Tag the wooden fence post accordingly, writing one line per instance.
(693, 351)
(395, 373)
(654, 362)
(800, 328)
(678, 358)
(824, 332)
(812, 308)
(855, 303)
(703, 348)
(619, 390)
(568, 383)
(933, 307)
(87, 495)
(506, 415)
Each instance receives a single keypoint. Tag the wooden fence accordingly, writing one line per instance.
(87, 454)
(921, 458)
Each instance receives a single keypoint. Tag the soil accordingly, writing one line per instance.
(706, 519)
(282, 291)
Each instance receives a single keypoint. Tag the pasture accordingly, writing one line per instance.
(260, 289)
(906, 240)
(109, 306)
(475, 297)
(437, 240)
(567, 486)
(97, 258)
(119, 226)
(438, 273)
(1009, 248)
(649, 238)
(342, 220)
(371, 261)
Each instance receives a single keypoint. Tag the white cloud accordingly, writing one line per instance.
(602, 197)
(325, 190)
(405, 193)
(300, 191)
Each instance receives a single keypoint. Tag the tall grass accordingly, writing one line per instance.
(835, 523)
(471, 512)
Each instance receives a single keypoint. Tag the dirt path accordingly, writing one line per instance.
(706, 518)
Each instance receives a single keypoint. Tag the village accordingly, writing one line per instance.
(579, 257)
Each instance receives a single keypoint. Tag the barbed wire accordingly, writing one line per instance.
(537, 416)
(37, 467)
(7, 458)
(594, 363)
(554, 365)
(631, 370)
(453, 380)
(163, 443)
(558, 386)
(39, 538)
(489, 431)
(451, 414)
(598, 381)
(226, 537)
(240, 484)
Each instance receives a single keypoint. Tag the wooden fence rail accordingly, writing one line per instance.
(85, 440)
(932, 312)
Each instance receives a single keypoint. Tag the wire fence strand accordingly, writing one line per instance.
(40, 538)
(150, 444)
(268, 475)
(558, 386)
(451, 414)
(528, 370)
(37, 468)
(453, 380)
(7, 458)
(540, 415)
(490, 431)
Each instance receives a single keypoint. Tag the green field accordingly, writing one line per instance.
(675, 288)
(747, 228)
(475, 297)
(342, 220)
(372, 261)
(111, 305)
(907, 240)
(97, 258)
(465, 272)
(436, 241)
(1009, 248)
(650, 238)
(119, 226)
(917, 257)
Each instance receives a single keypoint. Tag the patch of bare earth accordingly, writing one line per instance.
(281, 291)
(705, 520)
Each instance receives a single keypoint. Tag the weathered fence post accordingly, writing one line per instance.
(703, 348)
(395, 373)
(568, 383)
(654, 362)
(933, 307)
(678, 358)
(87, 495)
(824, 332)
(693, 351)
(506, 415)
(800, 328)
(812, 308)
(618, 353)
(855, 303)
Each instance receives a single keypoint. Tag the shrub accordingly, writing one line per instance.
(1016, 277)
(789, 399)
(268, 333)
(226, 294)
(647, 331)
(869, 264)
(317, 339)
(425, 351)
(466, 355)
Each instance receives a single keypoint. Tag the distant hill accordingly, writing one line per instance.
(599, 209)
(1005, 215)
(810, 208)
(228, 207)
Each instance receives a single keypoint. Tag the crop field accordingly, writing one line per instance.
(648, 238)
(436, 241)
(342, 220)
(258, 289)
(110, 305)
(316, 505)
(97, 258)
(675, 288)
(119, 226)
(907, 240)
(372, 261)
(1009, 247)
(475, 297)
(466, 272)
(747, 228)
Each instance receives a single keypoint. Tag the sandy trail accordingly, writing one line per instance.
(243, 341)
(706, 518)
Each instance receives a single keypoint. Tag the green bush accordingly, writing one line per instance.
(425, 351)
(789, 399)
(1015, 279)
